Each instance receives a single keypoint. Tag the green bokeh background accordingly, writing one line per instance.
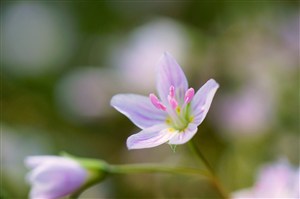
(238, 43)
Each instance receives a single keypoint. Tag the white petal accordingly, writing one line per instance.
(169, 73)
(184, 136)
(138, 109)
(150, 137)
(202, 100)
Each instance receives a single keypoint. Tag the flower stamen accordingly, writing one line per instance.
(174, 109)
(173, 102)
(156, 102)
(172, 91)
(178, 117)
(171, 98)
(189, 94)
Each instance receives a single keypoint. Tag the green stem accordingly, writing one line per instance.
(97, 171)
(214, 179)
(152, 168)
(200, 156)
(106, 169)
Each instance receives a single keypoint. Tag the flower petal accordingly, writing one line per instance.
(202, 100)
(169, 73)
(55, 178)
(243, 194)
(150, 137)
(184, 136)
(138, 109)
(34, 161)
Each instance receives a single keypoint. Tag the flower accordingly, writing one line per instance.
(279, 180)
(174, 118)
(53, 176)
(149, 41)
(246, 113)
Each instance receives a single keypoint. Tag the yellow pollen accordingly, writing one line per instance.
(191, 118)
(168, 121)
(171, 130)
(178, 109)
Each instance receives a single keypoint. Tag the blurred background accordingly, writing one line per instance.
(61, 62)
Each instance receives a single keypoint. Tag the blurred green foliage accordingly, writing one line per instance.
(226, 37)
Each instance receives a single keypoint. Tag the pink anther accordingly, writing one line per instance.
(189, 94)
(172, 102)
(155, 101)
(172, 91)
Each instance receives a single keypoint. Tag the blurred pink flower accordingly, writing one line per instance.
(175, 117)
(148, 41)
(279, 180)
(54, 177)
(83, 94)
(36, 39)
(247, 113)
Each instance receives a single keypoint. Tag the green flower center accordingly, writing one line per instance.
(179, 117)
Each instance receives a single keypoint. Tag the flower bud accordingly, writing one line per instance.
(54, 177)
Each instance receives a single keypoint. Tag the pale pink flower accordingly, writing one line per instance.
(54, 177)
(279, 180)
(174, 116)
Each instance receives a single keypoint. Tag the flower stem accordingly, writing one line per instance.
(99, 169)
(214, 179)
(152, 168)
(131, 169)
(200, 156)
